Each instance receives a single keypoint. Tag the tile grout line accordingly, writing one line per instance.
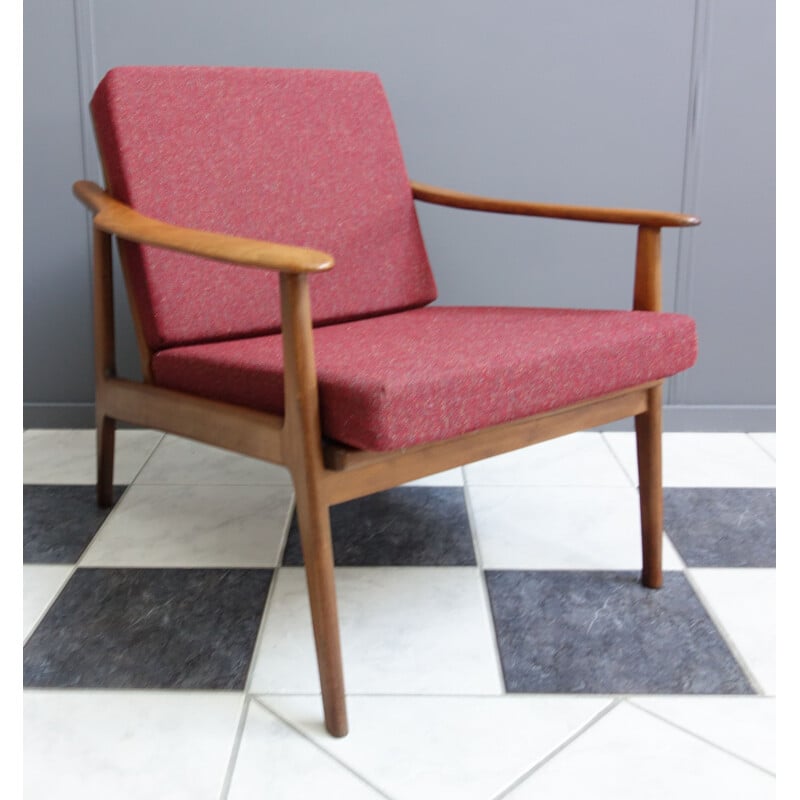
(234, 755)
(254, 655)
(116, 505)
(756, 442)
(53, 599)
(113, 510)
(166, 438)
(559, 749)
(320, 748)
(683, 565)
(632, 480)
(270, 594)
(723, 632)
(139, 486)
(128, 486)
(76, 564)
(635, 703)
(149, 457)
(483, 584)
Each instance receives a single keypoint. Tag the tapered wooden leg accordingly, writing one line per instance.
(302, 447)
(106, 428)
(651, 502)
(315, 537)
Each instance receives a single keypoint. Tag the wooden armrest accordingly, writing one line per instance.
(622, 216)
(115, 217)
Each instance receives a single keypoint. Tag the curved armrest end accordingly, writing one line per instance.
(119, 219)
(90, 194)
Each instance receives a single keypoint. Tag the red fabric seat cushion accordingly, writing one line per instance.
(296, 156)
(433, 373)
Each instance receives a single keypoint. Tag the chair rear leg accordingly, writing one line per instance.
(106, 428)
(651, 501)
(315, 536)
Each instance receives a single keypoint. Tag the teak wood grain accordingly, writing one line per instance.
(647, 280)
(242, 430)
(620, 216)
(302, 447)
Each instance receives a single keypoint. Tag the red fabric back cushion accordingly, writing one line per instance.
(304, 157)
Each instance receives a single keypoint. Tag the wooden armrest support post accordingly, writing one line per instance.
(115, 217)
(647, 280)
(620, 216)
(647, 284)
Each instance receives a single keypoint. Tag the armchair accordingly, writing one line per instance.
(281, 296)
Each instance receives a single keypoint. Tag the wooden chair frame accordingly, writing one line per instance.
(326, 473)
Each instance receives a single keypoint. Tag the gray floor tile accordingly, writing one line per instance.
(60, 521)
(722, 527)
(602, 632)
(407, 526)
(149, 629)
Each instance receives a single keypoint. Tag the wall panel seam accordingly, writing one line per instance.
(83, 11)
(87, 78)
(692, 169)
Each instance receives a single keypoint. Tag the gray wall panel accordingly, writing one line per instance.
(534, 100)
(570, 101)
(56, 280)
(732, 290)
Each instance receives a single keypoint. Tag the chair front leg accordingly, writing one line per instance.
(315, 537)
(302, 445)
(651, 501)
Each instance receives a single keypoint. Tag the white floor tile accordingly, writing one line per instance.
(742, 601)
(276, 762)
(533, 527)
(436, 748)
(182, 461)
(416, 630)
(580, 459)
(94, 744)
(40, 585)
(744, 726)
(702, 459)
(766, 440)
(193, 526)
(68, 456)
(628, 755)
(450, 477)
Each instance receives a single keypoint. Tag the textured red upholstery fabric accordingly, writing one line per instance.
(433, 373)
(304, 157)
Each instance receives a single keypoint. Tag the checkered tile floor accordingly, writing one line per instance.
(496, 640)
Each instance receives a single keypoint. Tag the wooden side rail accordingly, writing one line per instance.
(355, 473)
(242, 430)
